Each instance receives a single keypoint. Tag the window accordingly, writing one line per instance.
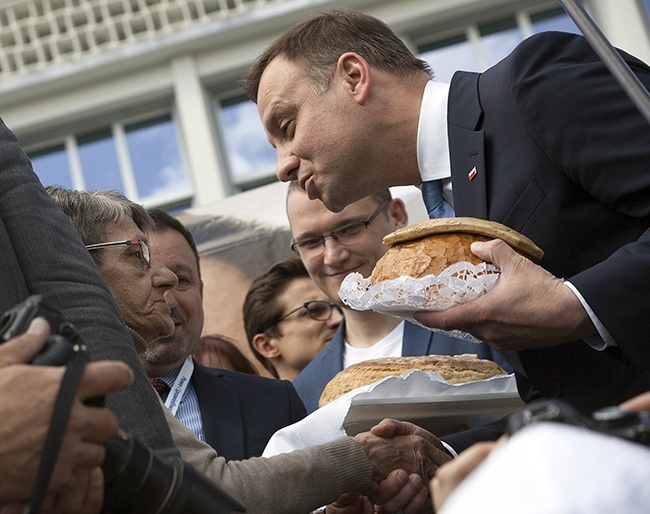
(51, 166)
(156, 160)
(498, 39)
(143, 160)
(447, 56)
(251, 159)
(556, 19)
(479, 47)
(98, 159)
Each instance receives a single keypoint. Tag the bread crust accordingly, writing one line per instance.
(425, 256)
(429, 247)
(455, 369)
(490, 229)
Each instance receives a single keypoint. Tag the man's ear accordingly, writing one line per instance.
(398, 213)
(353, 72)
(264, 346)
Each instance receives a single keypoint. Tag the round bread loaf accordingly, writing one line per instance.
(455, 369)
(428, 247)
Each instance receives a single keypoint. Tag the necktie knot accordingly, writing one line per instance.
(160, 386)
(436, 205)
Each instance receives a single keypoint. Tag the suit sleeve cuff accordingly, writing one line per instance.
(451, 451)
(604, 338)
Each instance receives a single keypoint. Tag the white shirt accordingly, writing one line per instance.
(434, 163)
(389, 346)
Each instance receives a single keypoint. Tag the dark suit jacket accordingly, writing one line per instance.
(41, 253)
(563, 157)
(417, 341)
(241, 412)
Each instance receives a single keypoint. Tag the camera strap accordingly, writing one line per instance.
(69, 385)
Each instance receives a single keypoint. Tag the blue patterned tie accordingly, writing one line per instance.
(436, 205)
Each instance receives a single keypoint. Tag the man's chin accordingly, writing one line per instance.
(165, 335)
(335, 202)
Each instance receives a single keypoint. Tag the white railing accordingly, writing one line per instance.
(38, 34)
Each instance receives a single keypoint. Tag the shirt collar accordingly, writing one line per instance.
(170, 377)
(433, 143)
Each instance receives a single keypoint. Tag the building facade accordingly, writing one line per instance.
(142, 95)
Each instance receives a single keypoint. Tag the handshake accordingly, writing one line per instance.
(404, 458)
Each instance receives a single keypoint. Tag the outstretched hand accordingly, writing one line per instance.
(527, 308)
(638, 403)
(449, 476)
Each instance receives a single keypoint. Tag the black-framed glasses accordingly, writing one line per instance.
(320, 310)
(144, 254)
(345, 235)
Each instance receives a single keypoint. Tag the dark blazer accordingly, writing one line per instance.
(241, 412)
(417, 341)
(41, 253)
(563, 156)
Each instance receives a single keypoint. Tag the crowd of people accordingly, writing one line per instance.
(529, 143)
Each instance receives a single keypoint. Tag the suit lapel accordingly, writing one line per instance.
(466, 146)
(220, 412)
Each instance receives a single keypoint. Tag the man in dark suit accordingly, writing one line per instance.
(235, 413)
(362, 335)
(546, 142)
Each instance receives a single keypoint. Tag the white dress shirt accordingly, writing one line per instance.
(187, 411)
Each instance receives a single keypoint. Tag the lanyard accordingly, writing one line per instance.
(177, 390)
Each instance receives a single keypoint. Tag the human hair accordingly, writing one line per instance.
(94, 213)
(223, 347)
(316, 44)
(165, 221)
(261, 306)
(379, 197)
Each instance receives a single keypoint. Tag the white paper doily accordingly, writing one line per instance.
(404, 296)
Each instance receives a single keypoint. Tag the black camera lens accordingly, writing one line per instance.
(138, 481)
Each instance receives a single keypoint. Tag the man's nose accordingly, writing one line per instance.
(332, 250)
(335, 319)
(287, 165)
(163, 276)
(170, 299)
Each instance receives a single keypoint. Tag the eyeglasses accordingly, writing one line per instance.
(320, 310)
(144, 254)
(345, 235)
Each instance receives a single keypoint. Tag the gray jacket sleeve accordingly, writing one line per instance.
(41, 253)
(291, 483)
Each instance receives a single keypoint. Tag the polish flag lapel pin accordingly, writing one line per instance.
(472, 174)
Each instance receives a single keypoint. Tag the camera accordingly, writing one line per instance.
(136, 479)
(629, 425)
